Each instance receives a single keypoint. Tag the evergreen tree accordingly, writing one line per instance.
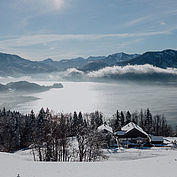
(128, 117)
(148, 121)
(141, 119)
(80, 118)
(75, 119)
(116, 122)
(122, 119)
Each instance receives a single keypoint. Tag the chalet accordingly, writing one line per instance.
(131, 135)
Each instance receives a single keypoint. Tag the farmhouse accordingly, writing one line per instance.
(131, 135)
(131, 130)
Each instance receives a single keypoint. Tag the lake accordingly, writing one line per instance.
(106, 97)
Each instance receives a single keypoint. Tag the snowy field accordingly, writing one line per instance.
(154, 162)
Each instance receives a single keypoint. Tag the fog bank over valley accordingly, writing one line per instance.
(130, 72)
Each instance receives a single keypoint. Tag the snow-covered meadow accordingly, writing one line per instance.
(152, 162)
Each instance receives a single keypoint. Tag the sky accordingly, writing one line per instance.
(62, 29)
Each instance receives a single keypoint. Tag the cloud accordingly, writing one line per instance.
(162, 23)
(171, 12)
(137, 21)
(39, 5)
(138, 69)
(161, 11)
(29, 40)
(73, 73)
(135, 72)
(57, 3)
(129, 72)
(74, 70)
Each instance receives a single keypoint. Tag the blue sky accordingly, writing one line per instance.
(38, 29)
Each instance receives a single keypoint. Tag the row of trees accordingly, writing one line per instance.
(69, 137)
(61, 137)
(155, 125)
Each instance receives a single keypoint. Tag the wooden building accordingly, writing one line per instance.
(131, 135)
(106, 133)
(156, 140)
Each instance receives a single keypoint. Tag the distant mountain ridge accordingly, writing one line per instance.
(108, 61)
(119, 57)
(12, 65)
(64, 64)
(161, 59)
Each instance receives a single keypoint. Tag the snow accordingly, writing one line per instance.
(105, 127)
(131, 126)
(155, 162)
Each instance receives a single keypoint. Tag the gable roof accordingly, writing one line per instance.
(130, 126)
(131, 130)
(105, 127)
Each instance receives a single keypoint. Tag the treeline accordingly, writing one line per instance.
(69, 137)
(60, 137)
(155, 125)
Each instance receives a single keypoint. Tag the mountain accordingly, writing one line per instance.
(93, 66)
(13, 64)
(162, 59)
(79, 62)
(98, 58)
(62, 65)
(107, 61)
(119, 57)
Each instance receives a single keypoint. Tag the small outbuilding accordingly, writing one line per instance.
(131, 135)
(156, 139)
(106, 133)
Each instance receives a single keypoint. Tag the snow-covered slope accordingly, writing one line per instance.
(156, 162)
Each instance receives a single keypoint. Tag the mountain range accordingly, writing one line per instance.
(12, 65)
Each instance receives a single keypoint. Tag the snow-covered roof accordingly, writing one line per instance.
(131, 126)
(105, 127)
(156, 138)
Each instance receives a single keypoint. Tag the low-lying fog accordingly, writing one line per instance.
(154, 88)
